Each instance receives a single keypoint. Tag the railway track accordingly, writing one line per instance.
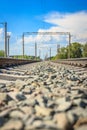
(80, 62)
(43, 95)
(6, 62)
(9, 69)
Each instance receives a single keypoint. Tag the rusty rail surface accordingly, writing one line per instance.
(80, 62)
(6, 62)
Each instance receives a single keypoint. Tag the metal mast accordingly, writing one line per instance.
(8, 37)
(35, 50)
(69, 45)
(23, 45)
(5, 27)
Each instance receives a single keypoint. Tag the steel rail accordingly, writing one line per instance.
(80, 62)
(6, 62)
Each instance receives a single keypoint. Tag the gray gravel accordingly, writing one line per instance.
(52, 97)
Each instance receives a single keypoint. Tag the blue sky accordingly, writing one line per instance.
(43, 15)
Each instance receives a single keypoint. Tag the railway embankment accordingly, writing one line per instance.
(47, 96)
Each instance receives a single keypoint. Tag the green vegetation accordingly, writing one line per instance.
(20, 56)
(77, 50)
(85, 50)
(1, 53)
(26, 57)
(63, 53)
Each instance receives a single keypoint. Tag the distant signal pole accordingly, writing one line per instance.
(69, 45)
(35, 50)
(50, 53)
(39, 53)
(58, 48)
(23, 45)
(5, 27)
(8, 37)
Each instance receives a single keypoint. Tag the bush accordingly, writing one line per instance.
(1, 53)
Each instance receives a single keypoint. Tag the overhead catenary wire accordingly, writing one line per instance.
(47, 33)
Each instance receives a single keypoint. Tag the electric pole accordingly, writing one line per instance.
(69, 45)
(5, 27)
(50, 53)
(58, 48)
(39, 53)
(23, 45)
(47, 33)
(8, 37)
(35, 50)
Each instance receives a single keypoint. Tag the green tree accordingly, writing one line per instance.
(85, 50)
(63, 53)
(1, 53)
(75, 50)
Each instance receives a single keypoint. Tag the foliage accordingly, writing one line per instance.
(1, 53)
(75, 50)
(85, 50)
(26, 57)
(63, 53)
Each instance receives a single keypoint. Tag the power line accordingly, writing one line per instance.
(48, 33)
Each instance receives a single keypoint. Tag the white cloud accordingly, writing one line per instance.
(1, 39)
(9, 33)
(41, 38)
(1, 34)
(75, 23)
(1, 31)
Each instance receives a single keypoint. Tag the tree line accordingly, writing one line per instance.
(20, 56)
(77, 50)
